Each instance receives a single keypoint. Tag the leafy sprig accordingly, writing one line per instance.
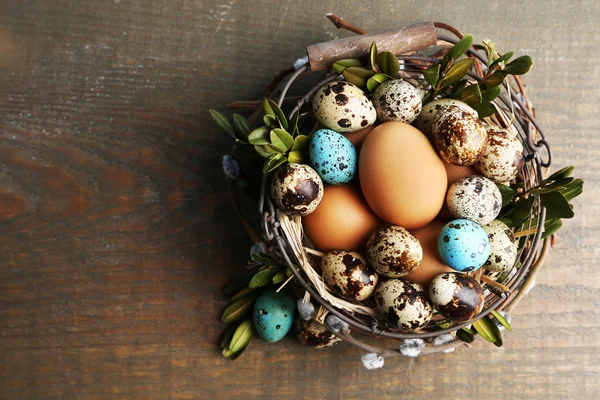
(487, 328)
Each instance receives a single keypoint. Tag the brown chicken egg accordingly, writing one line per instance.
(343, 220)
(456, 296)
(347, 273)
(401, 176)
(357, 138)
(394, 252)
(431, 265)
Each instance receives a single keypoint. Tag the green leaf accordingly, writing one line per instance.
(551, 226)
(446, 60)
(502, 59)
(490, 94)
(552, 186)
(222, 122)
(227, 353)
(262, 278)
(471, 95)
(522, 209)
(376, 80)
(502, 320)
(493, 80)
(273, 163)
(444, 324)
(227, 335)
(237, 309)
(458, 88)
(271, 121)
(277, 112)
(518, 66)
(561, 173)
(279, 277)
(284, 137)
(482, 326)
(507, 193)
(358, 75)
(465, 336)
(373, 58)
(457, 72)
(432, 74)
(490, 51)
(242, 336)
(462, 46)
(241, 127)
(235, 285)
(268, 150)
(340, 65)
(484, 109)
(259, 136)
(573, 189)
(388, 63)
(556, 205)
(300, 143)
(241, 293)
(295, 157)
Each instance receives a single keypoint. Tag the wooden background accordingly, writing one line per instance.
(116, 233)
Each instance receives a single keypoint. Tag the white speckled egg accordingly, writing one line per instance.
(424, 121)
(503, 247)
(347, 273)
(502, 157)
(475, 198)
(456, 296)
(393, 251)
(404, 304)
(343, 107)
(458, 136)
(397, 100)
(313, 334)
(296, 189)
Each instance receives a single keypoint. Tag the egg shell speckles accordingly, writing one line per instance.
(404, 304)
(458, 136)
(296, 189)
(456, 296)
(348, 274)
(313, 334)
(333, 156)
(424, 121)
(474, 197)
(463, 245)
(273, 315)
(394, 252)
(502, 157)
(397, 100)
(343, 107)
(503, 247)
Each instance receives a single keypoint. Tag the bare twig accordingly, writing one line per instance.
(341, 24)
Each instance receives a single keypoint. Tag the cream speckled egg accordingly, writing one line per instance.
(475, 198)
(343, 107)
(458, 136)
(503, 247)
(502, 157)
(393, 251)
(296, 189)
(404, 304)
(347, 273)
(313, 334)
(456, 296)
(397, 100)
(424, 121)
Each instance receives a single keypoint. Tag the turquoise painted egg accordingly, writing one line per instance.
(332, 156)
(273, 315)
(463, 245)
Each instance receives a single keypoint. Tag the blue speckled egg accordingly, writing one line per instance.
(332, 156)
(273, 315)
(463, 245)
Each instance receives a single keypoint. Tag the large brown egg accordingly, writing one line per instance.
(431, 265)
(343, 220)
(357, 138)
(401, 176)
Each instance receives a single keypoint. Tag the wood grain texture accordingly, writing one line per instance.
(116, 233)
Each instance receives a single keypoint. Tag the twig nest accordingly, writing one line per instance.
(404, 304)
(474, 197)
(394, 252)
(424, 121)
(458, 136)
(503, 247)
(456, 296)
(502, 158)
(347, 273)
(397, 100)
(296, 189)
(313, 334)
(343, 107)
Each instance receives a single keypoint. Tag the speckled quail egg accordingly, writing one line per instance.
(463, 245)
(343, 107)
(296, 189)
(404, 304)
(397, 100)
(474, 197)
(394, 252)
(313, 334)
(333, 156)
(456, 296)
(458, 136)
(424, 121)
(503, 247)
(502, 157)
(347, 273)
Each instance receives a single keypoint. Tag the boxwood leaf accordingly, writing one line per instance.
(275, 110)
(502, 320)
(241, 127)
(242, 336)
(507, 193)
(489, 94)
(222, 122)
(340, 65)
(502, 59)
(358, 75)
(259, 136)
(376, 80)
(432, 74)
(273, 163)
(551, 226)
(465, 336)
(462, 46)
(556, 205)
(493, 80)
(284, 138)
(388, 63)
(471, 95)
(518, 66)
(373, 57)
(457, 72)
(561, 173)
(484, 109)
